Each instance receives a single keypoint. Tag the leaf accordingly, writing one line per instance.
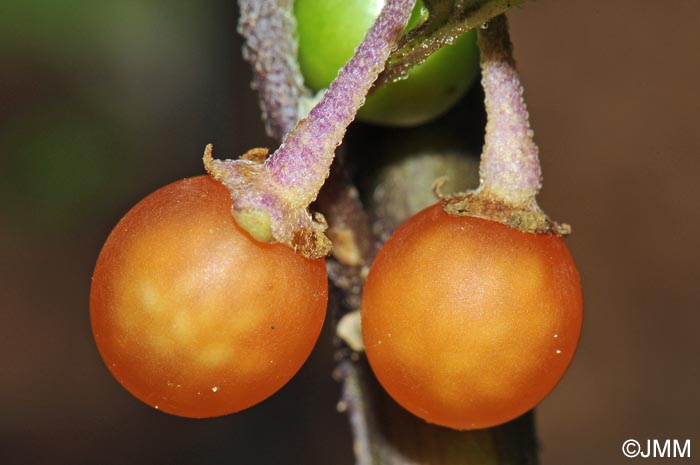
(448, 20)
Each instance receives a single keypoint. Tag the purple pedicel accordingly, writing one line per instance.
(270, 200)
(510, 168)
(302, 163)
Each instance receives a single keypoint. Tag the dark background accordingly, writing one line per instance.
(103, 102)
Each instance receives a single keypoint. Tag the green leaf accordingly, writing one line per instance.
(448, 19)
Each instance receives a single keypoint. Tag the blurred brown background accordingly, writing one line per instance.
(103, 102)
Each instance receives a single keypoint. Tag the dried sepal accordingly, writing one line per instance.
(527, 218)
(265, 208)
(271, 197)
(509, 170)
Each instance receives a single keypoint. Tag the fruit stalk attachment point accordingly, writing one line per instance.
(271, 195)
(510, 170)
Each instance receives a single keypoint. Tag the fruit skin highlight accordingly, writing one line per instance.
(468, 323)
(193, 316)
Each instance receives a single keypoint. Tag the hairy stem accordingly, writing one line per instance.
(303, 161)
(268, 27)
(270, 197)
(448, 20)
(510, 167)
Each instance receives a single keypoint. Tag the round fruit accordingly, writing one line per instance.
(192, 315)
(468, 323)
(330, 30)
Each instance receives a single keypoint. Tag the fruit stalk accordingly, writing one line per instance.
(271, 197)
(510, 167)
(448, 20)
(303, 161)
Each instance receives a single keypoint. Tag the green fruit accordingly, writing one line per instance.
(330, 30)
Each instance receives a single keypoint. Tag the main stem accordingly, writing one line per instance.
(268, 27)
(303, 161)
(510, 167)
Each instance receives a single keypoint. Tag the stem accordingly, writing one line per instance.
(303, 161)
(510, 168)
(268, 27)
(271, 198)
(386, 434)
(448, 20)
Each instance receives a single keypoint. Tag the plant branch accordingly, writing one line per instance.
(386, 434)
(448, 20)
(268, 27)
